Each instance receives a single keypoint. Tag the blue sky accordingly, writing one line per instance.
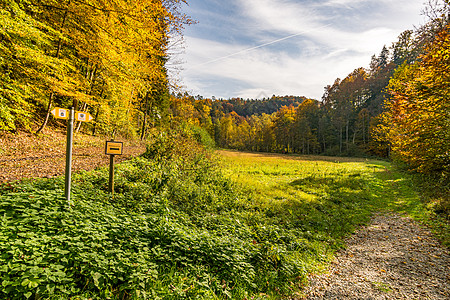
(259, 48)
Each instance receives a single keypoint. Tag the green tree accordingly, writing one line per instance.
(306, 127)
(283, 129)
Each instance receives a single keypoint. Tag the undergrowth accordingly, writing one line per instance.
(178, 227)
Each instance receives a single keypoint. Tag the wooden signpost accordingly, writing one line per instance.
(70, 115)
(112, 148)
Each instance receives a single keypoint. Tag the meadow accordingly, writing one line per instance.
(187, 223)
(277, 180)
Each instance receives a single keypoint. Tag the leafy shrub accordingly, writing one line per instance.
(435, 191)
(202, 136)
(175, 228)
(48, 248)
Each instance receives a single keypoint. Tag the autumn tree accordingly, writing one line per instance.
(342, 101)
(305, 127)
(29, 67)
(105, 57)
(283, 129)
(417, 122)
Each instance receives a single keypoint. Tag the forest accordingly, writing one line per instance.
(397, 108)
(190, 217)
(103, 57)
(109, 59)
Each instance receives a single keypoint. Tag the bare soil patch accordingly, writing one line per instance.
(393, 258)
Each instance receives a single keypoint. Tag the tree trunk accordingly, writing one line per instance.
(58, 52)
(346, 134)
(94, 128)
(146, 113)
(98, 110)
(303, 145)
(47, 114)
(91, 79)
(307, 145)
(364, 129)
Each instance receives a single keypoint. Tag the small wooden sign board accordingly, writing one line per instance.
(113, 148)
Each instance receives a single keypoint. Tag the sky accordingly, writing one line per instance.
(258, 48)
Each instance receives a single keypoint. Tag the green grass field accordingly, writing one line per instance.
(368, 185)
(191, 226)
(283, 178)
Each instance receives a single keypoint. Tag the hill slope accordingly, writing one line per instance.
(25, 155)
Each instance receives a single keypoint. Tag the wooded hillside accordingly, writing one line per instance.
(104, 57)
(183, 221)
(397, 107)
(109, 58)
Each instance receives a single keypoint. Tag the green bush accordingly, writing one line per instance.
(202, 136)
(175, 228)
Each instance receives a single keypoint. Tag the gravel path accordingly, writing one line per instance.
(393, 258)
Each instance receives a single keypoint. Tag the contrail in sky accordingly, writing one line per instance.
(260, 46)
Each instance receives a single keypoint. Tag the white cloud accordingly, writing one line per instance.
(292, 17)
(284, 16)
(331, 44)
(264, 71)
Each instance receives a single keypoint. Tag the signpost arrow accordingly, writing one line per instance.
(83, 116)
(60, 113)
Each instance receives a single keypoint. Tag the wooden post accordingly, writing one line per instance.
(112, 148)
(111, 174)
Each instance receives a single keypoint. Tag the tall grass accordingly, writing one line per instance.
(184, 224)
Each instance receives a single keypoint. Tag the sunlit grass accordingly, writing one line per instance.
(333, 194)
(273, 177)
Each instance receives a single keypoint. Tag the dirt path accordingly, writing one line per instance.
(393, 258)
(26, 155)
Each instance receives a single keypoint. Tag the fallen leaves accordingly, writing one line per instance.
(25, 155)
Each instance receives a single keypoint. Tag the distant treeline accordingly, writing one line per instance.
(109, 59)
(396, 107)
(249, 107)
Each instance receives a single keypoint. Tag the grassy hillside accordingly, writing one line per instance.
(184, 224)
